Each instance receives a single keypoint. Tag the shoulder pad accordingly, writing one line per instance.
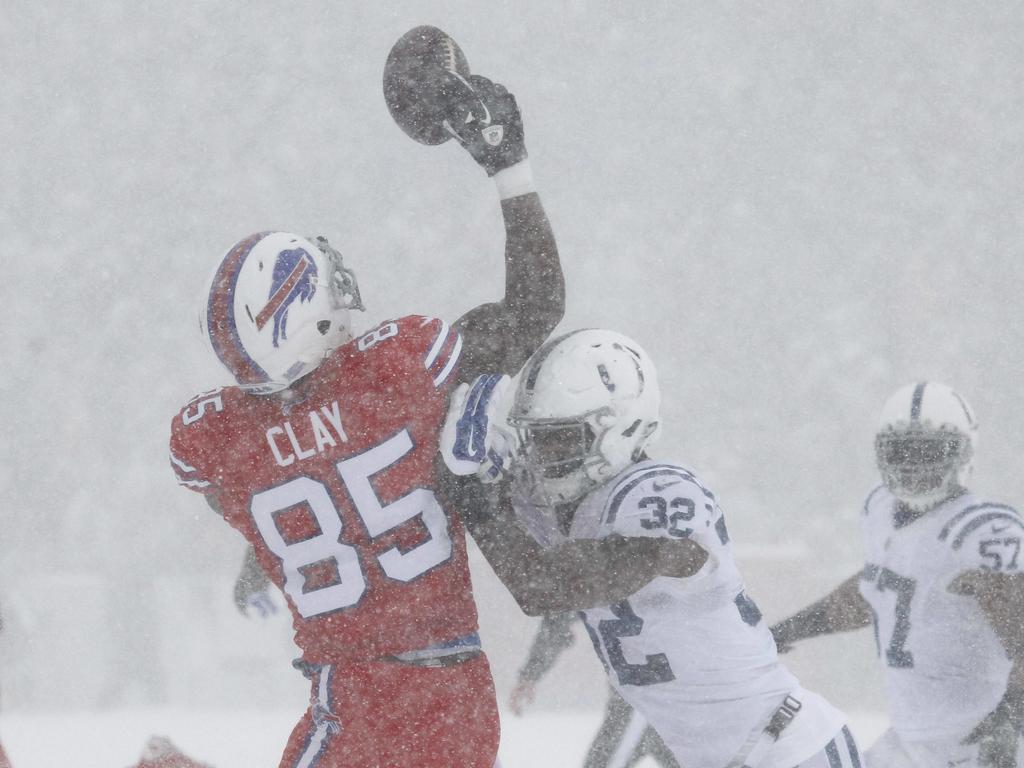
(669, 482)
(429, 342)
(193, 430)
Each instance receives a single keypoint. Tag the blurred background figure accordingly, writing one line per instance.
(160, 752)
(942, 585)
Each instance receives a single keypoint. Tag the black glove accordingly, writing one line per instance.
(998, 735)
(491, 128)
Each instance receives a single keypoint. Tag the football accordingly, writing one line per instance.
(425, 83)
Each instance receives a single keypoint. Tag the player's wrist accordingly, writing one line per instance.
(1012, 705)
(515, 180)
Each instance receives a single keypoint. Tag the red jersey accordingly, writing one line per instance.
(332, 481)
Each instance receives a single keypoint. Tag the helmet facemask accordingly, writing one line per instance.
(923, 466)
(555, 458)
(925, 444)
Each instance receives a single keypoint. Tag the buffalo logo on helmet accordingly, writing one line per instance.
(294, 277)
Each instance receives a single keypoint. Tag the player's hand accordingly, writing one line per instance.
(475, 439)
(490, 128)
(253, 598)
(522, 696)
(998, 735)
(260, 605)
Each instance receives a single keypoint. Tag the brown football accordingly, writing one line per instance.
(425, 83)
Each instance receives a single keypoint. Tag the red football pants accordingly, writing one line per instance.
(384, 714)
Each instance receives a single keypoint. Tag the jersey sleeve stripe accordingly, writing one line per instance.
(450, 365)
(631, 481)
(867, 501)
(955, 520)
(186, 475)
(179, 464)
(1010, 517)
(435, 349)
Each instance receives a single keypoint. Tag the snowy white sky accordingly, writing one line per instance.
(796, 207)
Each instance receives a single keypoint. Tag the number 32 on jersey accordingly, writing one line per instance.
(298, 557)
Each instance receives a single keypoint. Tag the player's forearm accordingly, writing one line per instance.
(576, 575)
(534, 283)
(843, 610)
(499, 337)
(587, 573)
(1001, 598)
(553, 637)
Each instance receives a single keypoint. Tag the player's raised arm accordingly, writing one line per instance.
(500, 336)
(434, 98)
(842, 610)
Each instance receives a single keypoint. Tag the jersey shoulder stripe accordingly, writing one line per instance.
(870, 498)
(960, 516)
(1007, 514)
(632, 479)
(444, 352)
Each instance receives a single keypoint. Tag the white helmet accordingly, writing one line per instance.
(925, 444)
(277, 305)
(585, 408)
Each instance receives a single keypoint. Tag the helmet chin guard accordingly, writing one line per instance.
(925, 445)
(277, 305)
(586, 407)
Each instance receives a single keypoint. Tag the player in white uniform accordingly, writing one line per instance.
(691, 654)
(942, 586)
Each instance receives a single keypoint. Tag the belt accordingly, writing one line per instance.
(759, 742)
(450, 660)
(445, 654)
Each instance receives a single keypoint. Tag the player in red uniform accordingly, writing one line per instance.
(323, 458)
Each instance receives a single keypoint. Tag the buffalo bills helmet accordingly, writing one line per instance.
(925, 444)
(586, 406)
(277, 305)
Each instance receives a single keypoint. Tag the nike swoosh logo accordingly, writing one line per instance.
(486, 119)
(661, 485)
(999, 530)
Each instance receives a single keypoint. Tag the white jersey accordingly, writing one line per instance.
(945, 666)
(692, 655)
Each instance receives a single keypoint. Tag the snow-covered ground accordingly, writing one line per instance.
(244, 739)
